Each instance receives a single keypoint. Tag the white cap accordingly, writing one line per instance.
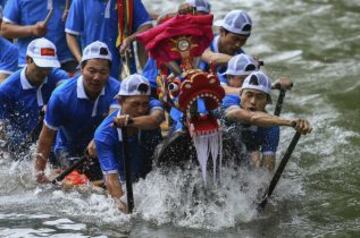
(200, 5)
(241, 65)
(43, 52)
(259, 81)
(134, 85)
(96, 50)
(236, 21)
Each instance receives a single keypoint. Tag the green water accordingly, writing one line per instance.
(316, 44)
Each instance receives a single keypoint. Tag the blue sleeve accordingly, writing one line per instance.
(59, 75)
(155, 104)
(75, 20)
(230, 100)
(107, 156)
(12, 12)
(9, 61)
(141, 16)
(271, 137)
(53, 115)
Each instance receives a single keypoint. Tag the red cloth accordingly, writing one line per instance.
(157, 40)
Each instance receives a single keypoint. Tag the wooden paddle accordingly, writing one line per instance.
(127, 168)
(67, 171)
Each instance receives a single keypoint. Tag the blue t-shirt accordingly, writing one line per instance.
(9, 55)
(29, 12)
(222, 68)
(98, 20)
(20, 102)
(75, 116)
(109, 147)
(264, 139)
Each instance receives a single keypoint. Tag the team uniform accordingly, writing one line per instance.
(75, 116)
(94, 20)
(21, 103)
(264, 139)
(9, 55)
(109, 147)
(25, 12)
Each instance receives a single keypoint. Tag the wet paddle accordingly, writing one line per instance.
(279, 171)
(127, 168)
(67, 171)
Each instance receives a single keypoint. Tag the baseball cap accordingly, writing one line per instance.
(259, 81)
(43, 52)
(200, 5)
(96, 50)
(134, 85)
(236, 21)
(241, 65)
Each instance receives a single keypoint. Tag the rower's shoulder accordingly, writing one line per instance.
(12, 83)
(113, 85)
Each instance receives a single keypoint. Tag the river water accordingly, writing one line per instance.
(316, 44)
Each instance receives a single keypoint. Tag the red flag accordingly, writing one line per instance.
(157, 40)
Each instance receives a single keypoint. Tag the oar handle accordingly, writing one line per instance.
(66, 172)
(127, 169)
(280, 170)
(279, 102)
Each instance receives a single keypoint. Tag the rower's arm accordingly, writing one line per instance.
(261, 119)
(216, 58)
(149, 122)
(46, 139)
(115, 190)
(113, 185)
(13, 31)
(73, 46)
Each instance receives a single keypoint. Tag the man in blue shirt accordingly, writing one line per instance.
(24, 94)
(140, 117)
(74, 111)
(92, 20)
(24, 20)
(259, 129)
(235, 29)
(8, 55)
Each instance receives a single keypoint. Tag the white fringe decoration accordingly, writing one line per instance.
(206, 145)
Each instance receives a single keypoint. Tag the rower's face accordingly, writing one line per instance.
(35, 73)
(135, 106)
(253, 100)
(231, 43)
(95, 73)
(235, 81)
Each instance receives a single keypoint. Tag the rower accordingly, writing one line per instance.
(93, 20)
(26, 92)
(74, 111)
(235, 29)
(8, 55)
(238, 68)
(140, 116)
(259, 129)
(26, 20)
